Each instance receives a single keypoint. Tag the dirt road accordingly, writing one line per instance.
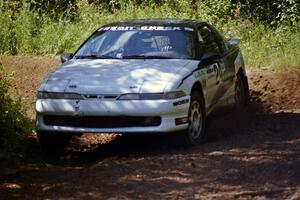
(256, 156)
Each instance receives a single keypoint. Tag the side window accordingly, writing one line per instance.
(209, 40)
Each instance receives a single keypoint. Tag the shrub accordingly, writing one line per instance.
(14, 124)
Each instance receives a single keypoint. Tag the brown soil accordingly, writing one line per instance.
(253, 156)
(28, 74)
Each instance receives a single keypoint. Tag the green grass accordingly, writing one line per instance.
(262, 45)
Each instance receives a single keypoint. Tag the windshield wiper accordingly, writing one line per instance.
(146, 57)
(95, 57)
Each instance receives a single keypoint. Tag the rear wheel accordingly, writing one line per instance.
(196, 131)
(241, 92)
(53, 142)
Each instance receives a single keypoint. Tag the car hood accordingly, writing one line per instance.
(109, 76)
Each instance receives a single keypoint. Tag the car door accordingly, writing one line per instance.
(229, 55)
(210, 44)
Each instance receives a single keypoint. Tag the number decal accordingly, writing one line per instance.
(218, 69)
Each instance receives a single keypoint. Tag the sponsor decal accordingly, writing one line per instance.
(145, 28)
(132, 86)
(177, 103)
(72, 86)
(198, 74)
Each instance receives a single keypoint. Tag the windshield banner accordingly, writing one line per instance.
(145, 28)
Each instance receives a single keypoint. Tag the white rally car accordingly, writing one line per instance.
(139, 76)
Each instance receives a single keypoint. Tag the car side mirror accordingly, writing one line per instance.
(65, 57)
(233, 41)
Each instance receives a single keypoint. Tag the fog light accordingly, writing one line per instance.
(182, 120)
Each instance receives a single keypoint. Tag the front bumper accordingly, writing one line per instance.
(166, 110)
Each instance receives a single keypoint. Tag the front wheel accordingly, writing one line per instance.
(196, 131)
(53, 142)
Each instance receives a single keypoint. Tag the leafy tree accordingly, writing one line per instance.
(55, 8)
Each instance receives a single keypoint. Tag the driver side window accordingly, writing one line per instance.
(209, 40)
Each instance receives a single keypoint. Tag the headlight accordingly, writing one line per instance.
(152, 96)
(174, 95)
(58, 95)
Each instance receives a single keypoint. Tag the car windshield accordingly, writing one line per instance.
(138, 44)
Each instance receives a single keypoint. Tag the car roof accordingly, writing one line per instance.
(157, 22)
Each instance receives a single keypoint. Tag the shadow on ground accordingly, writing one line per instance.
(251, 156)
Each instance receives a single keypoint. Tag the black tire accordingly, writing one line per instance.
(196, 131)
(53, 142)
(241, 92)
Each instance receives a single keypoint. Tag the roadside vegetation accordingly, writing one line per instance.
(269, 30)
(14, 124)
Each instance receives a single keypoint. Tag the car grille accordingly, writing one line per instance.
(101, 122)
(100, 96)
